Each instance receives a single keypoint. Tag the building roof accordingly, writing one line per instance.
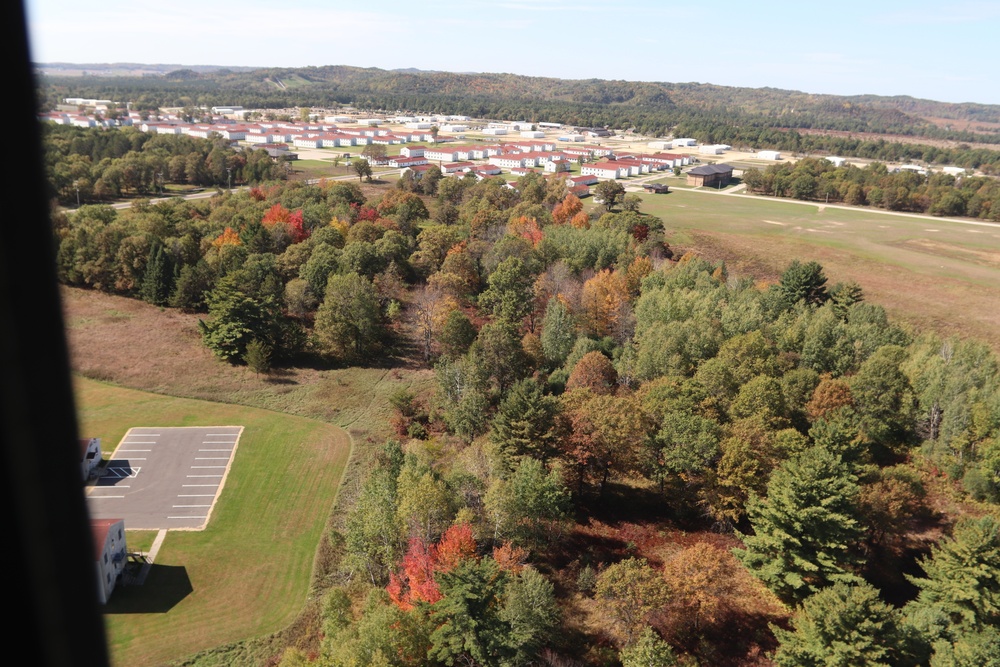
(711, 169)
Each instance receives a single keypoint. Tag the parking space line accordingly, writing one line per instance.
(187, 517)
(196, 495)
(102, 497)
(134, 450)
(215, 450)
(207, 467)
(182, 507)
(204, 475)
(186, 486)
(211, 458)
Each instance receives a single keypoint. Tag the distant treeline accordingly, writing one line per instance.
(746, 115)
(94, 164)
(937, 194)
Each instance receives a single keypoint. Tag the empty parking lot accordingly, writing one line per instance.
(165, 478)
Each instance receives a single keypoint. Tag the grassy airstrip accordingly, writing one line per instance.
(933, 273)
(249, 571)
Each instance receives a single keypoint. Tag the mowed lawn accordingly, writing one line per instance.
(249, 571)
(933, 273)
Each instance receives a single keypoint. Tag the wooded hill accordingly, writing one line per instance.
(649, 107)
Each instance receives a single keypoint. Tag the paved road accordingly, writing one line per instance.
(165, 478)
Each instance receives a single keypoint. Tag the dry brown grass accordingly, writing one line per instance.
(134, 344)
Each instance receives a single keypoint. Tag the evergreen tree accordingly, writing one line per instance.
(805, 528)
(977, 648)
(530, 610)
(803, 282)
(470, 629)
(844, 626)
(845, 295)
(457, 334)
(258, 356)
(191, 285)
(524, 424)
(158, 281)
(239, 317)
(963, 575)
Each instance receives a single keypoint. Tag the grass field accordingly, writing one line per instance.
(934, 274)
(249, 571)
(306, 169)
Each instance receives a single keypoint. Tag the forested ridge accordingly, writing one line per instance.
(763, 117)
(631, 457)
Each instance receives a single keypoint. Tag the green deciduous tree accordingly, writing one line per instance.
(509, 294)
(362, 168)
(528, 505)
(349, 322)
(558, 331)
(611, 192)
(627, 592)
(806, 527)
(648, 651)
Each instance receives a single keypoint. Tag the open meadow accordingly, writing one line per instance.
(248, 572)
(931, 273)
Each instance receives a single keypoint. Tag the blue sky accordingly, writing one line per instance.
(935, 50)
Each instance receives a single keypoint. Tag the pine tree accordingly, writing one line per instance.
(963, 575)
(524, 423)
(158, 280)
(804, 529)
(258, 356)
(843, 625)
(803, 282)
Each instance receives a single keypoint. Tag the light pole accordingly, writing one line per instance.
(159, 178)
(229, 176)
(76, 184)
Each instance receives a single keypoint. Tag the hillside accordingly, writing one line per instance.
(650, 107)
